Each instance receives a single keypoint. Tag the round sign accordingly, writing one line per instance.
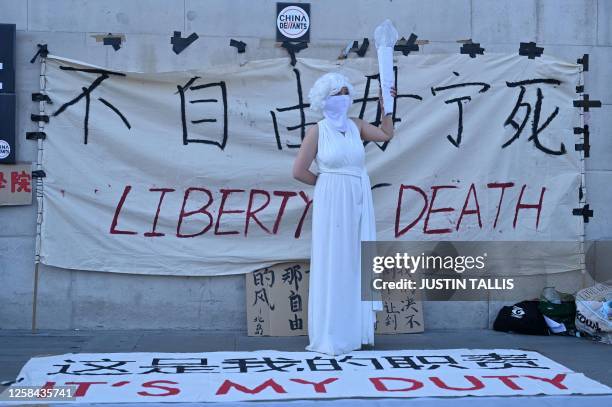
(5, 149)
(293, 22)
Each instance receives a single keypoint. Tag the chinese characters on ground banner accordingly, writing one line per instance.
(277, 375)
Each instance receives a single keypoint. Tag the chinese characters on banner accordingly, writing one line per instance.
(16, 184)
(277, 375)
(196, 166)
(277, 304)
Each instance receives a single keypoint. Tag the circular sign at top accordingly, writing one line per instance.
(293, 22)
(5, 149)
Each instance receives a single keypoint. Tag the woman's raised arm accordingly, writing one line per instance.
(382, 133)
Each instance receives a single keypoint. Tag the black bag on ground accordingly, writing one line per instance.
(523, 317)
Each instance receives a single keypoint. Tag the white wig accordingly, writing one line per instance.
(325, 86)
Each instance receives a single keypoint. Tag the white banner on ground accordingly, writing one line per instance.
(274, 375)
(190, 173)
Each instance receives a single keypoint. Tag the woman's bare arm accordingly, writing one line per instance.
(382, 133)
(306, 154)
(369, 132)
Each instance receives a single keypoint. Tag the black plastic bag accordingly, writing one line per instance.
(523, 317)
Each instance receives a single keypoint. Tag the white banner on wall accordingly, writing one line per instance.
(189, 173)
(276, 375)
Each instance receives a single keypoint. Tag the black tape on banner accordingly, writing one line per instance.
(39, 97)
(530, 50)
(42, 52)
(112, 40)
(40, 118)
(38, 174)
(36, 135)
(471, 49)
(407, 45)
(361, 49)
(240, 45)
(579, 88)
(293, 48)
(584, 61)
(585, 212)
(585, 145)
(580, 193)
(179, 44)
(585, 103)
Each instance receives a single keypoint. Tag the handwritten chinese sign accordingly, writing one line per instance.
(402, 312)
(277, 303)
(189, 173)
(277, 300)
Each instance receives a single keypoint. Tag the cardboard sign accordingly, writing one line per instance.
(402, 313)
(277, 304)
(16, 184)
(277, 300)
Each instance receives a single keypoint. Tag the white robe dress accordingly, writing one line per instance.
(343, 215)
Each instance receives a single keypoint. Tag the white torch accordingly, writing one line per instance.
(385, 37)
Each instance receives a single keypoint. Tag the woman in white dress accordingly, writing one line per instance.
(343, 216)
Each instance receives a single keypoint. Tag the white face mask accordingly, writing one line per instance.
(335, 111)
